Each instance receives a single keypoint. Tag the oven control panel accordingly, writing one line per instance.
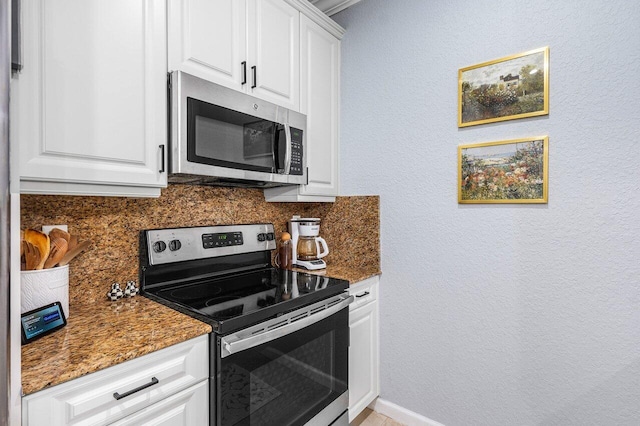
(221, 239)
(181, 244)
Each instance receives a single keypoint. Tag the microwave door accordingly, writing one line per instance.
(258, 146)
(219, 136)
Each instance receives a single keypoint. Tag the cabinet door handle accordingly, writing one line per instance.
(118, 396)
(161, 159)
(255, 82)
(366, 293)
(244, 72)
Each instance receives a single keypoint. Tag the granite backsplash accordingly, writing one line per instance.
(351, 227)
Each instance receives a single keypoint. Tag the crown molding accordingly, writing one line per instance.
(331, 7)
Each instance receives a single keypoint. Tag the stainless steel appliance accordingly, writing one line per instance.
(308, 247)
(219, 136)
(280, 341)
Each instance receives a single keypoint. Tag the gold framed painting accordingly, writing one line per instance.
(512, 171)
(508, 88)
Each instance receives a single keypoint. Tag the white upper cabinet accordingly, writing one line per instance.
(274, 52)
(320, 101)
(247, 45)
(208, 39)
(90, 103)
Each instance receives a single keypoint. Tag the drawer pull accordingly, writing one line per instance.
(366, 293)
(153, 381)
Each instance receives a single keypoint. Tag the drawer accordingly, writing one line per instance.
(187, 408)
(364, 292)
(91, 400)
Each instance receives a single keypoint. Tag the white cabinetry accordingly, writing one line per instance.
(364, 375)
(247, 45)
(187, 408)
(90, 102)
(176, 392)
(320, 100)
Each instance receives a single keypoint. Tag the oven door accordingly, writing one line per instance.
(292, 370)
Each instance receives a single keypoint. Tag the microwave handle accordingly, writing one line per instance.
(287, 157)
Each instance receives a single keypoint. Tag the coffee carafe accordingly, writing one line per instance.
(308, 247)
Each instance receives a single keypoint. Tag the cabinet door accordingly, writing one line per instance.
(320, 67)
(319, 100)
(91, 99)
(208, 39)
(274, 51)
(363, 352)
(187, 408)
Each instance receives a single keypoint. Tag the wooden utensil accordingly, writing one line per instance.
(41, 242)
(58, 250)
(73, 241)
(74, 252)
(59, 233)
(31, 256)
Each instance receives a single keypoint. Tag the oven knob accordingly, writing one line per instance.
(262, 237)
(271, 236)
(159, 246)
(174, 245)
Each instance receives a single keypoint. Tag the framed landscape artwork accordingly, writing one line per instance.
(509, 88)
(513, 171)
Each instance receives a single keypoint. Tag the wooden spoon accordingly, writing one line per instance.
(73, 241)
(73, 252)
(41, 242)
(59, 233)
(31, 256)
(58, 250)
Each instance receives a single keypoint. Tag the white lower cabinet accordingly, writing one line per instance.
(186, 408)
(364, 366)
(167, 387)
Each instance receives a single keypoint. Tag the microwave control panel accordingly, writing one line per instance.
(296, 152)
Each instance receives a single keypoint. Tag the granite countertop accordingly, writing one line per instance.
(353, 275)
(104, 334)
(101, 335)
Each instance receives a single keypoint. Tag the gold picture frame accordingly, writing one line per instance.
(508, 88)
(504, 172)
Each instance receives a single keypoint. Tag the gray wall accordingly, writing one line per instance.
(501, 315)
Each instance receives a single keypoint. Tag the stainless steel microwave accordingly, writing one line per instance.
(219, 136)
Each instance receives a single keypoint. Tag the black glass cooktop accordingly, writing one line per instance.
(239, 300)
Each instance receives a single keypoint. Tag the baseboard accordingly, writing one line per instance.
(401, 414)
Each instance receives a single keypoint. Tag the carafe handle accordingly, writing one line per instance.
(325, 249)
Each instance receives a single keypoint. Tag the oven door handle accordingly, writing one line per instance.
(281, 326)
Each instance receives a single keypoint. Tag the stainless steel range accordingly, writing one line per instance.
(280, 341)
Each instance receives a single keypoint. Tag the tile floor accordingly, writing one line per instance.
(370, 418)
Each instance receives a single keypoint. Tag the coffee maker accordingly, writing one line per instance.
(307, 247)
